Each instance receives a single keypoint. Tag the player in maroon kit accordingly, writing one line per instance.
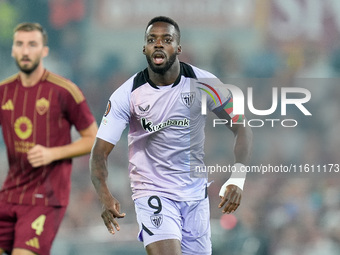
(37, 111)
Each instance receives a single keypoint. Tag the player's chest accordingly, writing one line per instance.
(30, 105)
(169, 103)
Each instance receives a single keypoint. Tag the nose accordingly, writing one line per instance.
(25, 50)
(159, 43)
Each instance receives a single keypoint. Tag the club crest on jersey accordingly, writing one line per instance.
(42, 105)
(156, 220)
(188, 98)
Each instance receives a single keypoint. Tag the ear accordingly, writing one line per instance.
(179, 49)
(46, 50)
(144, 50)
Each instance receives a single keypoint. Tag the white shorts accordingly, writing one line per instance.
(160, 218)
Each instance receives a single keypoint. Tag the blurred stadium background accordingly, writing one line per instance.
(249, 43)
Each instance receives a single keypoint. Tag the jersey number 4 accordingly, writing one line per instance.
(38, 224)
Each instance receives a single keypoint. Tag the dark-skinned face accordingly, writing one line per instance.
(161, 46)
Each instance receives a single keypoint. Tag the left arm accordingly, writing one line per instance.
(231, 192)
(243, 142)
(40, 155)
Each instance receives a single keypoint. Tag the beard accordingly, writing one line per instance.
(161, 69)
(25, 68)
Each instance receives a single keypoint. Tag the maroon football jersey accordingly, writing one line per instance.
(42, 114)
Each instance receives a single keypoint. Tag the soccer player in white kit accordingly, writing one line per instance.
(162, 106)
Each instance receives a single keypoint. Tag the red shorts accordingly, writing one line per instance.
(29, 227)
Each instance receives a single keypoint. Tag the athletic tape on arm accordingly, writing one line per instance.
(238, 178)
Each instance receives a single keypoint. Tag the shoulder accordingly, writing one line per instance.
(191, 70)
(65, 84)
(9, 80)
(128, 86)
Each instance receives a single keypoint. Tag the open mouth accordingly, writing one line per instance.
(158, 58)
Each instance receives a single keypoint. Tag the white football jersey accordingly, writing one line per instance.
(166, 131)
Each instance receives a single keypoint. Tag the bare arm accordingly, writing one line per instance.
(243, 143)
(242, 152)
(99, 174)
(40, 155)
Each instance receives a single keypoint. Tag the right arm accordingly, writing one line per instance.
(115, 120)
(99, 173)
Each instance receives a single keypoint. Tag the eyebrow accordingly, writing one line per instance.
(21, 41)
(164, 35)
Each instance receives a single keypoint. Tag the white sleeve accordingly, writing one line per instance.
(215, 91)
(117, 115)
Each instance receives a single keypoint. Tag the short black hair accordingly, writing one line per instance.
(166, 20)
(28, 26)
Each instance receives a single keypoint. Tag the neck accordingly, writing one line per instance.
(168, 78)
(29, 80)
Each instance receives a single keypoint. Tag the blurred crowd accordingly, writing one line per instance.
(281, 213)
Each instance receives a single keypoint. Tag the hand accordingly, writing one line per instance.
(40, 156)
(231, 200)
(110, 213)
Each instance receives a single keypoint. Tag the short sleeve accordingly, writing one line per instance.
(218, 98)
(116, 116)
(226, 108)
(77, 110)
